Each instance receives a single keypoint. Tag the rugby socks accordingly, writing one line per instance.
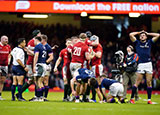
(134, 89)
(20, 91)
(36, 91)
(13, 89)
(149, 92)
(25, 86)
(93, 93)
(69, 90)
(46, 89)
(112, 100)
(0, 94)
(65, 90)
(39, 92)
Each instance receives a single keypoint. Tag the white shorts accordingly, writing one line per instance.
(3, 70)
(116, 89)
(40, 70)
(48, 69)
(74, 68)
(97, 70)
(30, 72)
(145, 68)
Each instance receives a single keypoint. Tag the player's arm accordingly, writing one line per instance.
(50, 58)
(155, 36)
(54, 47)
(73, 80)
(29, 52)
(88, 55)
(132, 36)
(99, 94)
(35, 61)
(9, 59)
(57, 63)
(98, 54)
(104, 92)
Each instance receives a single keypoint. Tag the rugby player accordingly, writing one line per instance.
(18, 68)
(5, 50)
(82, 79)
(39, 67)
(48, 70)
(96, 64)
(143, 49)
(65, 56)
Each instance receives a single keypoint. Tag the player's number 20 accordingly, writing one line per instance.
(77, 51)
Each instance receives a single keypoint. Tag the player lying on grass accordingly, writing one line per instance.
(115, 89)
(84, 76)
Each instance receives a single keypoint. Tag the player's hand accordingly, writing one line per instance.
(55, 70)
(54, 47)
(74, 93)
(26, 69)
(124, 65)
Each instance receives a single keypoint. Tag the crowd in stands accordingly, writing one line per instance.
(57, 34)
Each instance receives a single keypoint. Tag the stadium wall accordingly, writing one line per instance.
(156, 24)
(53, 19)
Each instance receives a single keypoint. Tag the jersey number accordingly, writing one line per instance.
(77, 51)
(44, 54)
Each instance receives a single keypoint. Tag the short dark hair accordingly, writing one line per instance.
(20, 40)
(38, 38)
(44, 37)
(83, 36)
(103, 75)
(35, 32)
(74, 37)
(89, 34)
(93, 81)
(131, 47)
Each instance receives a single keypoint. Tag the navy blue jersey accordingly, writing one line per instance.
(84, 75)
(49, 49)
(107, 82)
(143, 50)
(42, 53)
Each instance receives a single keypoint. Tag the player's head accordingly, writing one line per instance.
(37, 40)
(82, 36)
(36, 33)
(89, 34)
(68, 42)
(44, 38)
(74, 39)
(22, 42)
(95, 40)
(143, 36)
(130, 49)
(92, 81)
(4, 40)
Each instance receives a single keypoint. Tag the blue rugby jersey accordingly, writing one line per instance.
(143, 50)
(49, 49)
(107, 82)
(84, 75)
(42, 53)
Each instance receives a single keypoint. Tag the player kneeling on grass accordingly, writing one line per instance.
(83, 77)
(115, 90)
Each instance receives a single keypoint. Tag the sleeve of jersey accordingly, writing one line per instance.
(60, 54)
(50, 50)
(36, 49)
(135, 42)
(96, 86)
(102, 84)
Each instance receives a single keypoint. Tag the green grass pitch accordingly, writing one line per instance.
(56, 107)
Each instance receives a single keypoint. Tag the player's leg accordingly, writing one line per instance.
(125, 83)
(20, 83)
(13, 87)
(2, 80)
(46, 87)
(133, 77)
(149, 86)
(66, 86)
(134, 88)
(77, 92)
(40, 88)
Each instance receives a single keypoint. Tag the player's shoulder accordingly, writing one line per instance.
(31, 42)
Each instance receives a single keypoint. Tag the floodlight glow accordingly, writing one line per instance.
(35, 16)
(134, 15)
(84, 14)
(101, 17)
